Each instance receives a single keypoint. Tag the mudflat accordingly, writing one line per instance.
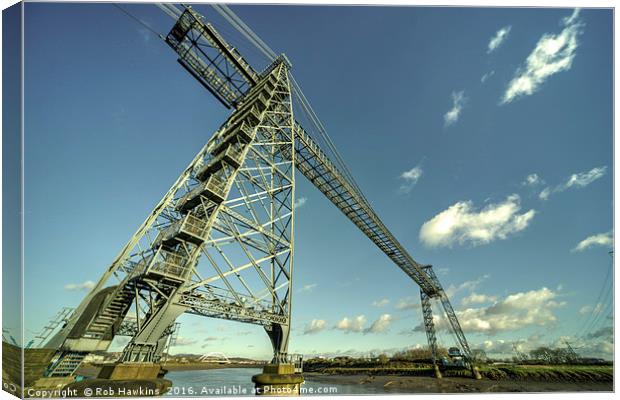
(422, 384)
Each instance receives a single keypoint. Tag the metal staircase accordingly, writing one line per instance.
(113, 313)
(66, 364)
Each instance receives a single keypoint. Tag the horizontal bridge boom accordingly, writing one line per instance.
(312, 162)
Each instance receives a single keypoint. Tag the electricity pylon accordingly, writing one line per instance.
(220, 243)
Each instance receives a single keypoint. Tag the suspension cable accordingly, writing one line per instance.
(238, 24)
(169, 9)
(245, 30)
(138, 20)
(593, 318)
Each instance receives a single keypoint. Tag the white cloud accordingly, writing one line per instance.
(516, 311)
(183, 341)
(595, 344)
(300, 202)
(462, 223)
(583, 179)
(458, 101)
(381, 325)
(486, 76)
(532, 180)
(358, 324)
(476, 298)
(589, 309)
(498, 39)
(467, 285)
(145, 34)
(307, 288)
(605, 331)
(553, 53)
(575, 181)
(602, 239)
(381, 303)
(352, 325)
(315, 326)
(545, 193)
(88, 285)
(408, 303)
(410, 177)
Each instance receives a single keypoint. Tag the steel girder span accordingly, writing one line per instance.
(220, 243)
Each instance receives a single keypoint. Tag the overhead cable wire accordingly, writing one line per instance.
(323, 132)
(253, 38)
(236, 22)
(138, 20)
(169, 9)
(589, 323)
(606, 303)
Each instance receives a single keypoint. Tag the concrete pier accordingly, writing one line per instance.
(125, 371)
(278, 380)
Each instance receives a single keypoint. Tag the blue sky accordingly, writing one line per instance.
(482, 137)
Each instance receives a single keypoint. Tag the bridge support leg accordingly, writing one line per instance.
(429, 327)
(278, 380)
(278, 377)
(278, 334)
(140, 358)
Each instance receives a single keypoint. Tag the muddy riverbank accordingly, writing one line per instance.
(423, 384)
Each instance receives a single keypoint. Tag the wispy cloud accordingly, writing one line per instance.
(469, 286)
(145, 34)
(545, 193)
(602, 239)
(87, 285)
(458, 101)
(553, 53)
(381, 303)
(462, 223)
(300, 202)
(408, 303)
(533, 180)
(315, 326)
(307, 288)
(486, 76)
(583, 179)
(498, 39)
(575, 181)
(476, 298)
(183, 341)
(410, 178)
(589, 309)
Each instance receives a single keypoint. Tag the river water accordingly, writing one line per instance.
(238, 382)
